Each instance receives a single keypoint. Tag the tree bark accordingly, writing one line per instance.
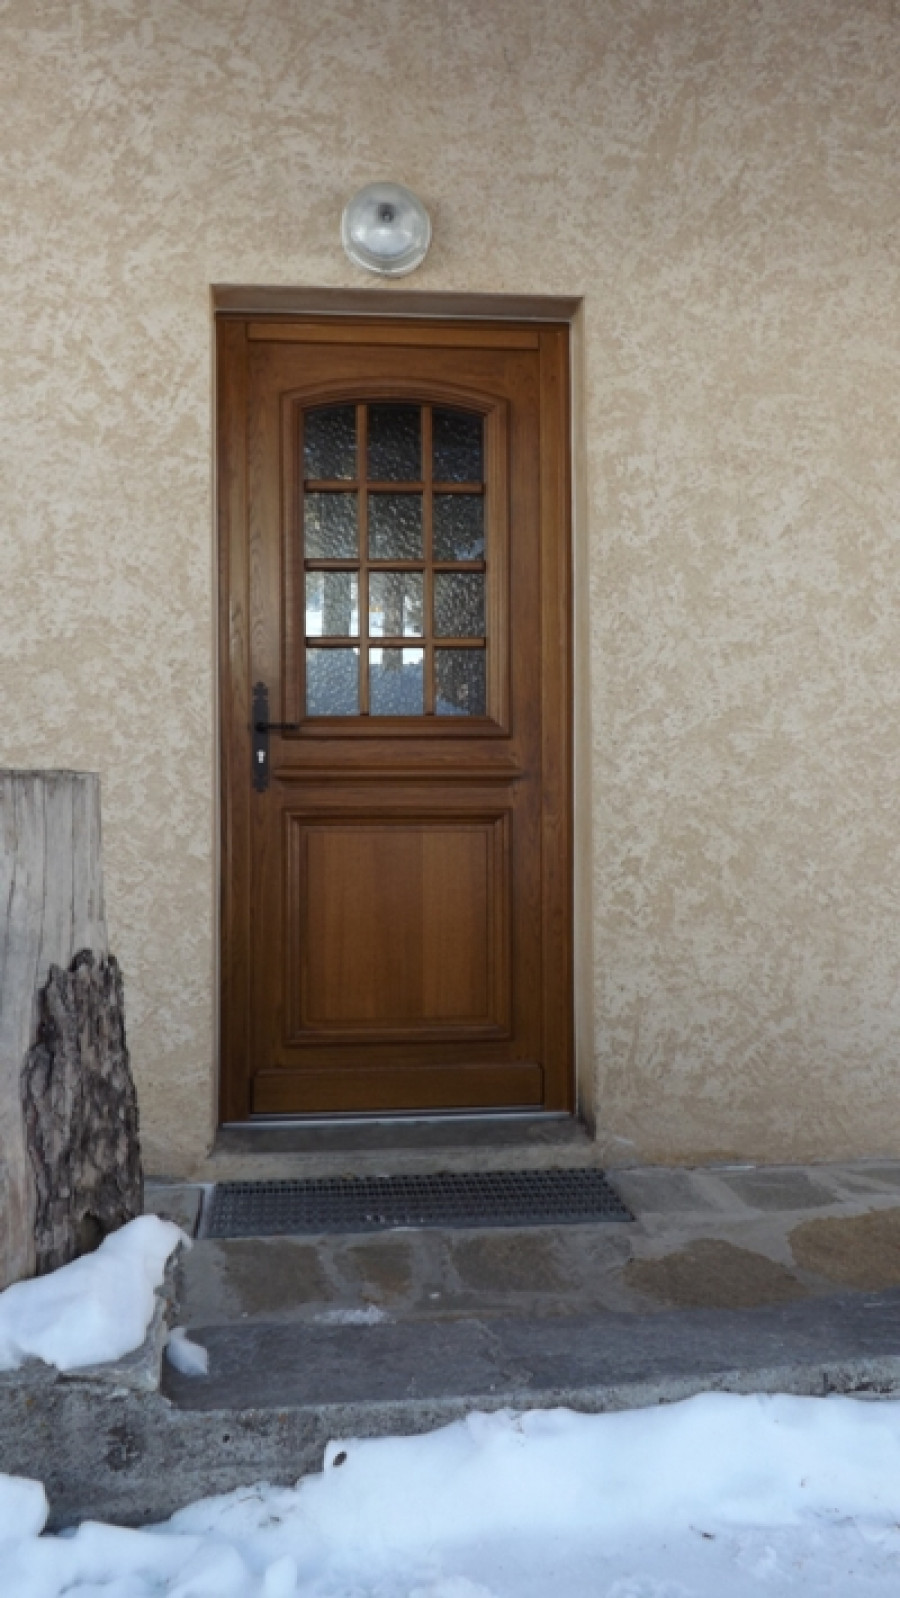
(51, 905)
(81, 1115)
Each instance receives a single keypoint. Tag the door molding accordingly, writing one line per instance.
(244, 299)
(235, 304)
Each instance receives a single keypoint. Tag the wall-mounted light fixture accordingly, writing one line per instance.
(386, 229)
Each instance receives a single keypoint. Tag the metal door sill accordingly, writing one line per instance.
(335, 1133)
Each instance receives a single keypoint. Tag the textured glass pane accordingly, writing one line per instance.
(459, 682)
(395, 526)
(329, 442)
(395, 604)
(332, 682)
(395, 452)
(396, 682)
(459, 604)
(332, 605)
(329, 526)
(458, 527)
(458, 450)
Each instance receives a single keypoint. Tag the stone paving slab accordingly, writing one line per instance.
(778, 1190)
(715, 1238)
(520, 1361)
(180, 1202)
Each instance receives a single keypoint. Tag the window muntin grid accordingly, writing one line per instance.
(395, 560)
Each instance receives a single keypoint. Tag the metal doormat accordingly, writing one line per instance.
(375, 1203)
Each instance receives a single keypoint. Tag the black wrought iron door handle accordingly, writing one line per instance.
(261, 727)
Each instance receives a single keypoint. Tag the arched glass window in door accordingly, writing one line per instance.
(395, 560)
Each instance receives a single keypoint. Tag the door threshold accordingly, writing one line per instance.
(346, 1133)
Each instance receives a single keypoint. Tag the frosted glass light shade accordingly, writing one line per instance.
(386, 229)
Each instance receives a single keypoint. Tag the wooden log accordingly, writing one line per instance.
(81, 1114)
(51, 906)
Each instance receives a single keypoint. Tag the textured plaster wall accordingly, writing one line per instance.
(718, 179)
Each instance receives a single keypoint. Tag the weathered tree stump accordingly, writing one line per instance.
(81, 1115)
(51, 907)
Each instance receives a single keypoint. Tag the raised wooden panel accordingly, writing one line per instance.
(397, 926)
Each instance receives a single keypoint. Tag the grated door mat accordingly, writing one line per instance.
(375, 1203)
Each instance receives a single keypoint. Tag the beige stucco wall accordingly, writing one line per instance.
(718, 180)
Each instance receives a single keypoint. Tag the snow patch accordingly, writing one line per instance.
(370, 1316)
(23, 1508)
(187, 1357)
(94, 1310)
(744, 1496)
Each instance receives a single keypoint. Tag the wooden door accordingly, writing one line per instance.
(394, 598)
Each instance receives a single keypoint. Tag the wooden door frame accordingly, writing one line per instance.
(236, 306)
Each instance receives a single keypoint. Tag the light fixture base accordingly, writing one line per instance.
(386, 229)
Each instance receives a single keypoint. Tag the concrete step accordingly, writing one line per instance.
(428, 1372)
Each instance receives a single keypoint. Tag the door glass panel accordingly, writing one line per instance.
(354, 587)
(329, 442)
(332, 605)
(332, 682)
(396, 682)
(395, 526)
(395, 604)
(330, 527)
(395, 448)
(458, 450)
(459, 604)
(459, 682)
(458, 527)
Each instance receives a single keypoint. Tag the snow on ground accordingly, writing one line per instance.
(718, 1497)
(96, 1309)
(191, 1359)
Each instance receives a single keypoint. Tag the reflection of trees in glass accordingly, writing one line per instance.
(396, 682)
(343, 481)
(395, 453)
(459, 682)
(332, 682)
(458, 446)
(459, 604)
(332, 609)
(329, 442)
(395, 604)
